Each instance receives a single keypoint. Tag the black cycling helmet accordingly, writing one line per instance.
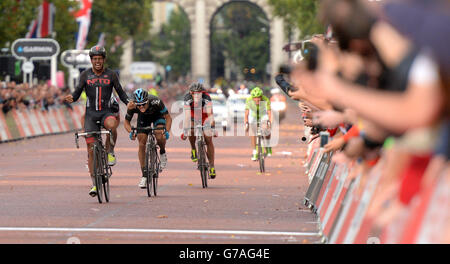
(97, 51)
(196, 87)
(140, 96)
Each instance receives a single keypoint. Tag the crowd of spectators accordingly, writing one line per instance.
(166, 91)
(22, 96)
(42, 96)
(380, 86)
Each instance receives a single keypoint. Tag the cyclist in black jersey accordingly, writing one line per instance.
(150, 110)
(98, 83)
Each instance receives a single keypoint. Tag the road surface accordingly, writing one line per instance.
(44, 197)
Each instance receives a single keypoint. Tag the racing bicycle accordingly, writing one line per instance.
(202, 163)
(152, 160)
(259, 145)
(102, 171)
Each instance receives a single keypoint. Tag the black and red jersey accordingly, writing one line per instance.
(98, 89)
(194, 107)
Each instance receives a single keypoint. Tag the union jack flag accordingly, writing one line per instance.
(83, 17)
(43, 25)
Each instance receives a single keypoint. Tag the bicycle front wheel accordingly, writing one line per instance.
(202, 165)
(204, 175)
(105, 176)
(260, 155)
(98, 169)
(154, 173)
(156, 176)
(149, 169)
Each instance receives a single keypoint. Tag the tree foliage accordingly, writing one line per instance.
(240, 33)
(301, 14)
(119, 20)
(14, 19)
(16, 16)
(172, 45)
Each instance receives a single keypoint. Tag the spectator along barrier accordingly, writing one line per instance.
(342, 194)
(20, 124)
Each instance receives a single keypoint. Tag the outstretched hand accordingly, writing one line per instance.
(131, 105)
(68, 98)
(335, 144)
(328, 118)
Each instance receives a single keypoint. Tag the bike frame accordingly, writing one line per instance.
(152, 166)
(202, 163)
(259, 141)
(102, 171)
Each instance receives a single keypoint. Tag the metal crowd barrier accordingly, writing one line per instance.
(341, 195)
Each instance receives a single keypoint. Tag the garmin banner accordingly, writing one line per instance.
(35, 49)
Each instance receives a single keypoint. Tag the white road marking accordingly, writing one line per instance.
(181, 231)
(288, 153)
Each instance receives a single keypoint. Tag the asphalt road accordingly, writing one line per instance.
(44, 197)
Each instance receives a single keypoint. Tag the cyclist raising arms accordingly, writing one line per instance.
(257, 109)
(150, 110)
(98, 83)
(198, 107)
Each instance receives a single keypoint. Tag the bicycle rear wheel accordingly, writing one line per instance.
(98, 168)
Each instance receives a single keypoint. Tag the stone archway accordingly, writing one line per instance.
(200, 13)
(251, 23)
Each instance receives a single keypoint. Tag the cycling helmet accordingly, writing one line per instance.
(196, 87)
(97, 51)
(140, 96)
(256, 92)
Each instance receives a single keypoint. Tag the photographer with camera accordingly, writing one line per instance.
(312, 106)
(309, 104)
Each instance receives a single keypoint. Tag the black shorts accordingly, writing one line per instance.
(148, 120)
(91, 118)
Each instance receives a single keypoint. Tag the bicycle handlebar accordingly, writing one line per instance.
(85, 134)
(149, 128)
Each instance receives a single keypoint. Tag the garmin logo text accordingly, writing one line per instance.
(33, 49)
(38, 49)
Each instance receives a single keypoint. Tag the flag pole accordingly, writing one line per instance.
(53, 65)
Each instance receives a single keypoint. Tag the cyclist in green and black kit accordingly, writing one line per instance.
(257, 110)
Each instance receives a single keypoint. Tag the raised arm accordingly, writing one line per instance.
(128, 117)
(122, 95)
(78, 90)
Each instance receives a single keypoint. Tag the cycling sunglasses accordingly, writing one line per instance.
(141, 104)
